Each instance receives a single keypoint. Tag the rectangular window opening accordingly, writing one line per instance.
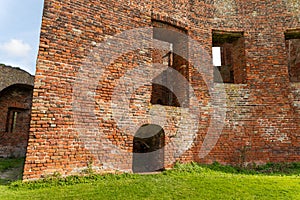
(170, 50)
(228, 55)
(292, 43)
(14, 119)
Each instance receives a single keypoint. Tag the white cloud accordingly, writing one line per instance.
(16, 48)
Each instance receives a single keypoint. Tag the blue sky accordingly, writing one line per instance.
(20, 22)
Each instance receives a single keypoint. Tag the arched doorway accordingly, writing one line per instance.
(148, 149)
(15, 115)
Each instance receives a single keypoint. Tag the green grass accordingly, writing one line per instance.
(8, 163)
(190, 181)
(268, 169)
(15, 164)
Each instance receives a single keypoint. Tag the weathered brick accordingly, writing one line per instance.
(262, 116)
(16, 88)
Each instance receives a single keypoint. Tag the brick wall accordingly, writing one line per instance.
(92, 92)
(15, 105)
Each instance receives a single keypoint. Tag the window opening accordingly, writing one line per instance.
(15, 119)
(166, 87)
(292, 42)
(228, 54)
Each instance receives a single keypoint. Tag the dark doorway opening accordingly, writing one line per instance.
(148, 149)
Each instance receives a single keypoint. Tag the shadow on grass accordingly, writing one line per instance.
(11, 169)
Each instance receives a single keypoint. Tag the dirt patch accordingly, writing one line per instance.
(11, 174)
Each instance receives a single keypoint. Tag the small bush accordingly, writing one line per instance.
(279, 168)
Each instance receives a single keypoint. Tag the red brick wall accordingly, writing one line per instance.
(14, 136)
(79, 113)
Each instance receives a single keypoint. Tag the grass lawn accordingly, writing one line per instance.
(190, 181)
(10, 169)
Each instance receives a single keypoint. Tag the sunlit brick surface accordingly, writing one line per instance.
(262, 117)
